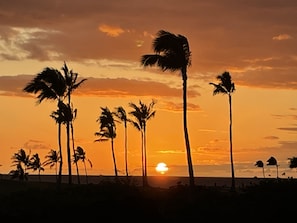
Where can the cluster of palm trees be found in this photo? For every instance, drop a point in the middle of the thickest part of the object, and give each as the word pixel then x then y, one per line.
pixel 171 52
pixel 272 161
pixel 140 114
pixel 23 162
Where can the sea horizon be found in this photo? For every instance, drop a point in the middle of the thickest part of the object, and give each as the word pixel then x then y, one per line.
pixel 162 181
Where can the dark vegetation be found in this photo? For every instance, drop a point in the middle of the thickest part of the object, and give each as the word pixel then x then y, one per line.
pixel 268 201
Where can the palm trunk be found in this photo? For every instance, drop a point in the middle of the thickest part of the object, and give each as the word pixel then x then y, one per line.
pixel 144 155
pixel 188 149
pixel 114 159
pixel 59 181
pixel 68 153
pixel 231 149
pixel 126 151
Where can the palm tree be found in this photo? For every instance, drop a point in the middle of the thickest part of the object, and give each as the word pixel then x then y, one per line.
pixel 120 113
pixel 226 86
pixel 107 130
pixel 80 154
pixel 52 159
pixel 293 162
pixel 21 160
pixel 273 162
pixel 35 164
pixel 172 52
pixel 260 164
pixel 51 84
pixel 142 114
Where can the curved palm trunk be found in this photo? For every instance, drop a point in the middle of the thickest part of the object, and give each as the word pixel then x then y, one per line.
pixel 263 172
pixel 114 159
pixel 188 149
pixel 86 172
pixel 231 149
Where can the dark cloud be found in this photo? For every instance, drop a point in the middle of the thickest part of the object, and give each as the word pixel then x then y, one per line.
pixel 100 87
pixel 255 40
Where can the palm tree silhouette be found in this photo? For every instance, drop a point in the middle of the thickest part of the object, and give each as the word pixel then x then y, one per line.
pixel 142 114
pixel 226 86
pixel 107 130
pixel 51 84
pixel 260 164
pixel 172 52
pixel 35 164
pixel 293 162
pixel 52 159
pixel 273 162
pixel 21 160
pixel 120 113
pixel 80 154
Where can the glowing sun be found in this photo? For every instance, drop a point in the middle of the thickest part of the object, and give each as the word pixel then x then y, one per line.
pixel 161 168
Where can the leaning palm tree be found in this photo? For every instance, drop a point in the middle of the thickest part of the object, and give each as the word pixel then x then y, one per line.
pixel 142 114
pixel 172 52
pixel 120 113
pixel 226 86
pixel 107 130
pixel 273 162
pixel 260 164
pixel 52 159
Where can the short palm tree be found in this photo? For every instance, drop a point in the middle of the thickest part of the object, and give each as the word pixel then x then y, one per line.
pixel 21 160
pixel 35 164
pixel 226 86
pixel 273 162
pixel 120 113
pixel 142 114
pixel 52 159
pixel 293 162
pixel 107 130
pixel 80 154
pixel 260 164
pixel 172 52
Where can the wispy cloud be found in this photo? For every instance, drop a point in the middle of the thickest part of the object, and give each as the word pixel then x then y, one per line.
pixel 112 31
pixel 282 37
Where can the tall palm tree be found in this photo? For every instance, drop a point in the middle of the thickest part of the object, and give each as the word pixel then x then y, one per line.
pixel 226 86
pixel 35 164
pixel 52 159
pixel 260 164
pixel 80 154
pixel 142 114
pixel 120 113
pixel 172 52
pixel 51 84
pixel 107 130
pixel 273 162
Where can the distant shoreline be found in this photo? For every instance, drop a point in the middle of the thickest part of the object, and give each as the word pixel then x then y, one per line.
pixel 154 181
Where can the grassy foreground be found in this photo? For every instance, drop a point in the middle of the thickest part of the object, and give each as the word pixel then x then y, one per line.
pixel 270 200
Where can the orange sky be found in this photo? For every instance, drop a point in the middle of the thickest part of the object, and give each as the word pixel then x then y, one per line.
pixel 103 41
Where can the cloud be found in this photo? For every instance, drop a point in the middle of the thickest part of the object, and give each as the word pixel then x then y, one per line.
pixel 282 37
pixel 111 30
pixel 271 137
pixel 102 87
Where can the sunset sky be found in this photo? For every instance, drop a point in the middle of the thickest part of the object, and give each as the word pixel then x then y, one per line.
pixel 103 41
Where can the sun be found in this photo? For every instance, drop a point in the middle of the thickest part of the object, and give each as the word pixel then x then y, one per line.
pixel 162 168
